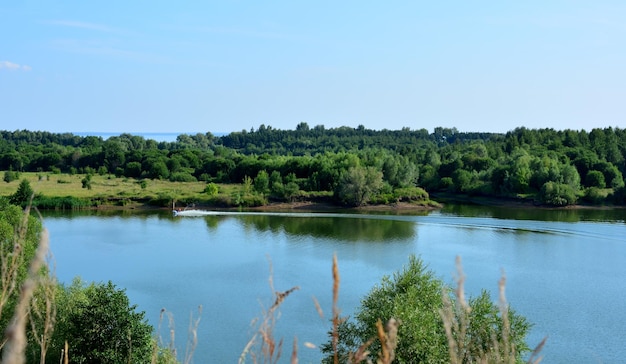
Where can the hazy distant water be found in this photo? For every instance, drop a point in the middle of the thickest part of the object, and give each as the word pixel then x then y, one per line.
pixel 159 137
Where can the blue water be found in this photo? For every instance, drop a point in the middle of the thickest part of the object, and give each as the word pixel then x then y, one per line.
pixel 565 275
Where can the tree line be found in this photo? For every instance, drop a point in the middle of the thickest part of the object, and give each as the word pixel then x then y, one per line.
pixel 357 165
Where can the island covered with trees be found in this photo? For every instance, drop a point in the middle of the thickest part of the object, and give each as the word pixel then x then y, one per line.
pixel 344 165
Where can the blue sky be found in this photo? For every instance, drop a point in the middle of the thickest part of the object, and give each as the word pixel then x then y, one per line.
pixel 221 66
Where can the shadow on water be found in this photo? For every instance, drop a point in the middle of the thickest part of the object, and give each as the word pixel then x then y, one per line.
pixel 537 213
pixel 348 229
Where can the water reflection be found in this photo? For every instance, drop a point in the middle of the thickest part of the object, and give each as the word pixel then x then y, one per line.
pixel 539 213
pixel 344 228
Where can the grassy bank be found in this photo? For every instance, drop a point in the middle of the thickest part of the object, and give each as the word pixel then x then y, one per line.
pixel 68 191
pixel 108 190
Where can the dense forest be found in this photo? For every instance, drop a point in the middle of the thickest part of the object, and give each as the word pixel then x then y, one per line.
pixel 358 165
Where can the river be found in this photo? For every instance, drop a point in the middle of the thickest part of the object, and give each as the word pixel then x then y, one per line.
pixel 565 269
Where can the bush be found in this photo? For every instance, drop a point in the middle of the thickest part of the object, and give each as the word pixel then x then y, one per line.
pixel 619 196
pixel 595 195
pixel 557 194
pixel 23 194
pixel 446 183
pixel 86 181
pixel 61 203
pixel 101 326
pixel 595 179
pixel 211 189
pixel 411 194
pixel 416 299
pixel 10 176
pixel 182 177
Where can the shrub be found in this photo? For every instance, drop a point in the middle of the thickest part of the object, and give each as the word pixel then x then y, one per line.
pixel 411 194
pixel 446 183
pixel 101 326
pixel 182 177
pixel 10 176
pixel 416 299
pixel 595 179
pixel 557 194
pixel 86 182
pixel 211 189
pixel 60 203
pixel 23 194
pixel 595 195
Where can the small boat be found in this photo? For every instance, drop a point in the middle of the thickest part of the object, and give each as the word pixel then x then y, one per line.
pixel 193 212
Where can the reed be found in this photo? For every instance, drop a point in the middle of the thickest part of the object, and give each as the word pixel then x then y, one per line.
pixel 15 334
pixel 457 319
pixel 263 346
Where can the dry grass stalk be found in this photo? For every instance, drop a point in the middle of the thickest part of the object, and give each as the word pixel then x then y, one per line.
pixel 271 350
pixel 318 308
pixel 171 345
pixel 16 332
pixel 508 349
pixel 192 339
pixel 44 316
pixel 388 337
pixel 336 319
pixel 10 266
pixel 456 320
pixel 388 340
pixel 534 356
pixel 294 351
pixel 361 354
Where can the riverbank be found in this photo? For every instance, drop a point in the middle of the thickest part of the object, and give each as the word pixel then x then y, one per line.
pixel 63 192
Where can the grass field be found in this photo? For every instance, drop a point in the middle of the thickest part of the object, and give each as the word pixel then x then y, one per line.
pixel 107 187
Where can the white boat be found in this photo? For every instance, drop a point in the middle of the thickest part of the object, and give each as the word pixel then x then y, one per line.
pixel 193 212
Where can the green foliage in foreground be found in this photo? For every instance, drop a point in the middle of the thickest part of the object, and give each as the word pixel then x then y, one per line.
pixel 100 325
pixel 97 320
pixel 415 298
pixel 14 258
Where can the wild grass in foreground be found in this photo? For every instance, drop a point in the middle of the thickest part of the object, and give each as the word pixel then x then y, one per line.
pixel 47 322
pixel 477 331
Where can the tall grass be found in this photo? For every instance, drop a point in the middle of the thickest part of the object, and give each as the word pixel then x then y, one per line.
pixel 457 319
pixel 15 341
pixel 263 346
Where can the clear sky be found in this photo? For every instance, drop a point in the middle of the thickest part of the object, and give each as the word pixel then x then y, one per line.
pixel 221 66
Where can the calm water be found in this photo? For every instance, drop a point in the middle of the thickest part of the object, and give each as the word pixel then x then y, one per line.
pixel 565 269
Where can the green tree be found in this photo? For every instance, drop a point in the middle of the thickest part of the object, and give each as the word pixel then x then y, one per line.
pixel 595 179
pixel 86 181
pixel 23 194
pixel 276 184
pixel 557 194
pixel 101 326
pixel 358 184
pixel 211 189
pixel 262 182
pixel 462 180
pixel 415 298
pixel 10 176
pixel 520 173
pixel 133 169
